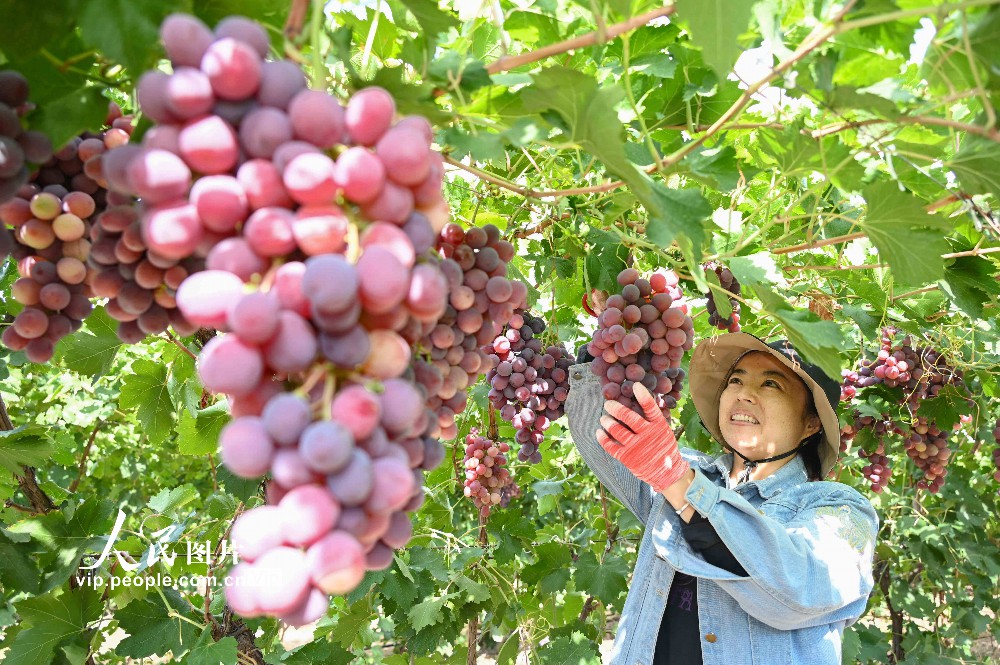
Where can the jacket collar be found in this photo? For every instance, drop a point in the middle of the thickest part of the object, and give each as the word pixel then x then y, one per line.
pixel 791 474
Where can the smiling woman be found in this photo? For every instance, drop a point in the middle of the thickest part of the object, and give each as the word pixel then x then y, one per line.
pixel 748 557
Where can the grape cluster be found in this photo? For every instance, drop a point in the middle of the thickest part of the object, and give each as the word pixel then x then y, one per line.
pixel 50 245
pixel 481 300
pixel 140 285
pixel 77 166
pixel 19 148
pixel 529 382
pixel 641 337
pixel 921 372
pixel 325 272
pixel 487 483
pixel 728 282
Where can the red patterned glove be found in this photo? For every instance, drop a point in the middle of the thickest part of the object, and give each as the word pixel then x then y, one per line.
pixel 646 446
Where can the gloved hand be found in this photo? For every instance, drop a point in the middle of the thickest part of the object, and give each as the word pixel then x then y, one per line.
pixel 645 445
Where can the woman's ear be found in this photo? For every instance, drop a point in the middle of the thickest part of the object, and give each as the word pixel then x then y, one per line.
pixel 813 425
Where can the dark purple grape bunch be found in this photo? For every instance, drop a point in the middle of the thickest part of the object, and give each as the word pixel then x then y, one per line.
pixel 487 482
pixel 50 244
pixel 728 282
pixel 642 336
pixel 529 381
pixel 21 150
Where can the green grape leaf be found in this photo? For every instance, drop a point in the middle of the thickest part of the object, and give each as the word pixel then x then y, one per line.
pixel 27 445
pixel 715 26
pixel 977 165
pixel 209 652
pixel 606 580
pixel 50 620
pixel 151 631
pixel 820 342
pixel 909 239
pixel 429 612
pixel 145 390
pixel 565 650
pixel 199 435
pixel 92 350
pixel 128 38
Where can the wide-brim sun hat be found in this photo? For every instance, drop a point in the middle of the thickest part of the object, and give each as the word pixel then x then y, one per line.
pixel 712 361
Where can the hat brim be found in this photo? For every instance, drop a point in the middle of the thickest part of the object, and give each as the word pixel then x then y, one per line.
pixel 711 363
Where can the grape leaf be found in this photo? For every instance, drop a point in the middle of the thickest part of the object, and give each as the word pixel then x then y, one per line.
pixel 145 390
pixel 126 39
pixel 27 445
pixel 977 165
pixel 549 557
pixel 755 269
pixel 819 342
pixel 606 580
pixel 969 282
pixel 715 26
pixel 476 592
pixel 49 620
pixel 587 113
pixel 944 409
pixel 199 435
pixel 92 350
pixel 17 569
pixel 575 650
pixel 604 260
pixel 169 500
pixel 209 652
pixel 909 239
pixel 151 631
pixel 429 612
pixel 319 652
pixel 63 118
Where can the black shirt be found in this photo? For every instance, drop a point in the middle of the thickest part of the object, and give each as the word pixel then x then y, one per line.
pixel 679 639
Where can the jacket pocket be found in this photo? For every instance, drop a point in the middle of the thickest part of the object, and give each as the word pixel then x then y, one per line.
pixel 770 645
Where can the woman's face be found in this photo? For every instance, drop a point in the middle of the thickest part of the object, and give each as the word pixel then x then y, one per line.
pixel 762 411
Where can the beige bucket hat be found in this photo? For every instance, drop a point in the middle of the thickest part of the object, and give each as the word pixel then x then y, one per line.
pixel 714 358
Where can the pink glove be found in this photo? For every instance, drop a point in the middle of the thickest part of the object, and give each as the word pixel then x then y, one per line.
pixel 646 446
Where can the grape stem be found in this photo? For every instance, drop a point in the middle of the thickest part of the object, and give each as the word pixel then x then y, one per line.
pixel 178 344
pixel 82 466
pixel 312 379
pixel 328 391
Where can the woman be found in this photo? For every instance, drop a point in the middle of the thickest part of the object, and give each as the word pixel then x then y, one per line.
pixel 750 557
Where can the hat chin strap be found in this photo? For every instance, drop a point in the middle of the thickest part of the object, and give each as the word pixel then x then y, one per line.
pixel 750 465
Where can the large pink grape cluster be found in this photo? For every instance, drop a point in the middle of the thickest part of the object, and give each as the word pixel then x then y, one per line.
pixel 481 300
pixel 50 244
pixel 487 482
pixel 921 372
pixel 20 149
pixel 641 337
pixel 529 383
pixel 319 228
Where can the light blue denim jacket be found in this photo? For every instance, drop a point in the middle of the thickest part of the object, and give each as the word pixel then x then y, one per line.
pixel 806 546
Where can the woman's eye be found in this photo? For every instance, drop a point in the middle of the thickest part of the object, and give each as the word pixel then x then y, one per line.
pixel 773 383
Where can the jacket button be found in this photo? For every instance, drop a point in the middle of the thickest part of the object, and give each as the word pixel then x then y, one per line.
pixel 710 638
pixel 578 375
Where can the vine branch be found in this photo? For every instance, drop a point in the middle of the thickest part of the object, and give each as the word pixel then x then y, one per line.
pixel 508 62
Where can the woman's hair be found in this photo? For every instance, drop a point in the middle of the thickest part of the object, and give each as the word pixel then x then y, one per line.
pixel 810 447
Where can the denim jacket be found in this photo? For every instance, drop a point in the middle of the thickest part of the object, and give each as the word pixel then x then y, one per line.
pixel 806 546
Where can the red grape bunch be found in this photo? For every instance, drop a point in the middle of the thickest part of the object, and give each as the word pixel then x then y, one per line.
pixel 641 337
pixel 481 300
pixel 921 372
pixel 77 166
pixel 529 382
pixel 19 148
pixel 729 282
pixel 487 482
pixel 50 245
